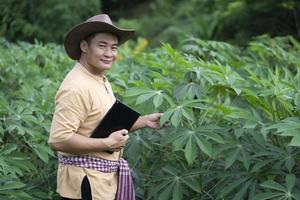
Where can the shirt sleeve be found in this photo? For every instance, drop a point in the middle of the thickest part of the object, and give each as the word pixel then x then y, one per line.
pixel 71 108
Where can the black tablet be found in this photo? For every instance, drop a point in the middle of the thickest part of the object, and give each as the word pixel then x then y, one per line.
pixel 119 116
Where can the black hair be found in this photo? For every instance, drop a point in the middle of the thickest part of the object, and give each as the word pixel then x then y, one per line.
pixel 89 37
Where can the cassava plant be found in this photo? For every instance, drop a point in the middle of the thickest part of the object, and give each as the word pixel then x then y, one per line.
pixel 232 117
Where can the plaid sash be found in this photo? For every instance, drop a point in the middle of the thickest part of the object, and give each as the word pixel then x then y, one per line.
pixel 125 189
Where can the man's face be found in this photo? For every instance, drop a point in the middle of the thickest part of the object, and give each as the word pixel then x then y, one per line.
pixel 101 51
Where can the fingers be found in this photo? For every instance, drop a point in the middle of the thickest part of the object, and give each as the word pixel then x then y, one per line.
pixel 154 125
pixel 123 136
pixel 120 135
pixel 153 120
pixel 123 132
pixel 118 139
pixel 155 116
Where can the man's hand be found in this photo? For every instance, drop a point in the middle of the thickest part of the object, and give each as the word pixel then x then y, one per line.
pixel 117 140
pixel 147 121
pixel 152 120
pixel 79 144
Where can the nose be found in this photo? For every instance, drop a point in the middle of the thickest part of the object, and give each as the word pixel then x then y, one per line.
pixel 108 52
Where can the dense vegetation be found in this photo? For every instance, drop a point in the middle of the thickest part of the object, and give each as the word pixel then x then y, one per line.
pixel 236 21
pixel 169 21
pixel 29 77
pixel 46 20
pixel 233 112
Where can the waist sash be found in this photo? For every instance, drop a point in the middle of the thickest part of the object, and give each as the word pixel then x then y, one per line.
pixel 125 189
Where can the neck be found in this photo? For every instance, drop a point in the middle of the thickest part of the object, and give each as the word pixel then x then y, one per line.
pixel 91 69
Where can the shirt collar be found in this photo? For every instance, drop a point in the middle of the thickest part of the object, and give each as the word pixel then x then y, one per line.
pixel 102 79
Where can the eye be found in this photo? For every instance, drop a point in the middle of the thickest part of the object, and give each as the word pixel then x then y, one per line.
pixel 101 46
pixel 114 48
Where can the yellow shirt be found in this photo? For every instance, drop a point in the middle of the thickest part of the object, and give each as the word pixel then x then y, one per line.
pixel 80 103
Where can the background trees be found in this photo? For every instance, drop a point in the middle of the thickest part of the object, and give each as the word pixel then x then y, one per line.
pixel 46 21
pixel 160 20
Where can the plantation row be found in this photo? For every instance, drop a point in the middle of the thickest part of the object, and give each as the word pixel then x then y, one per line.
pixel 234 116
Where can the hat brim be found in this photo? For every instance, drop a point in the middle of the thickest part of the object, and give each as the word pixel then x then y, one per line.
pixel 81 31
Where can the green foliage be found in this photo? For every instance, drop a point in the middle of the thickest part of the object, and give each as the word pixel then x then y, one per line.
pixel 227 20
pixel 160 20
pixel 29 77
pixel 233 118
pixel 47 20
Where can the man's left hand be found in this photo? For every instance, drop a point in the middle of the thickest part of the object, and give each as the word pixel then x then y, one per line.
pixel 147 121
pixel 152 120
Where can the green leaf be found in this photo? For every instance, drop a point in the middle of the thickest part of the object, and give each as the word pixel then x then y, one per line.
pixel 226 189
pixel 176 117
pixel 260 164
pixel 193 184
pixel 42 151
pixel 169 100
pixel 238 132
pixel 213 136
pixel 204 146
pixel 295 141
pixel 8 148
pixel 259 138
pixel 135 92
pixel 288 124
pixel 157 100
pixel 154 191
pixel 190 150
pixel 267 195
pixel 187 114
pixel 297 99
pixel 144 97
pixel 232 157
pixel 179 142
pixel 245 159
pixel 273 185
pixel 177 191
pixel 296 195
pixel 166 116
pixel 290 181
pixel 289 163
pixel 194 90
pixel 181 90
pixel 241 193
pixel 11 185
pixel 197 105
pixel 165 193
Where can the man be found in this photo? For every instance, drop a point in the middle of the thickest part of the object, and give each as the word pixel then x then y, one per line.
pixel 86 169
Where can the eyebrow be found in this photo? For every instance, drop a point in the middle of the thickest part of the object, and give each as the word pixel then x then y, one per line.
pixel 113 44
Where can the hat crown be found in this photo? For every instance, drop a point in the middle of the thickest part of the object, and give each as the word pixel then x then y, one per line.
pixel 100 18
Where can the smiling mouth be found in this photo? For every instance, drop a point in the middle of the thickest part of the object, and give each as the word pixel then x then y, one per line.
pixel 106 61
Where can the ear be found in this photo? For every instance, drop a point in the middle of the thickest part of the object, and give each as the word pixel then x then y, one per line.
pixel 83 46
